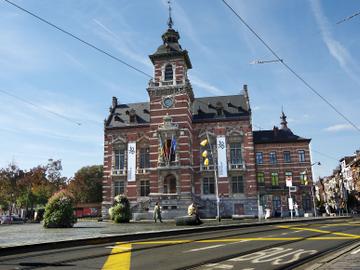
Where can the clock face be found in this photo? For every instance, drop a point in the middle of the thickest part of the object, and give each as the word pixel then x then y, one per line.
pixel 168 102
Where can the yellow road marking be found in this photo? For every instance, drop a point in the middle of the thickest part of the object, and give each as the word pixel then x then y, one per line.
pixel 163 242
pixel 119 258
pixel 320 231
pixel 331 238
pixel 341 224
pixel 249 239
pixel 233 240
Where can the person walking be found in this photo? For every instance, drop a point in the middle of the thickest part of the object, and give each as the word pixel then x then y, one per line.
pixel 157 212
pixel 296 208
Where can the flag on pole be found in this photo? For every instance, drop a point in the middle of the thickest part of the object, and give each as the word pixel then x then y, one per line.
pixel 161 147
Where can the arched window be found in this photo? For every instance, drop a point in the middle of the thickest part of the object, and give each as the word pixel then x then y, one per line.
pixel 168 74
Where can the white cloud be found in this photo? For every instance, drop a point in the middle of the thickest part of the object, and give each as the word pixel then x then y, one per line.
pixel 122 42
pixel 206 86
pixel 336 49
pixel 339 127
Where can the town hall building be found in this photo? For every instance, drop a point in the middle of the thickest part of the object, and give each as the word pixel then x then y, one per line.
pixel 153 151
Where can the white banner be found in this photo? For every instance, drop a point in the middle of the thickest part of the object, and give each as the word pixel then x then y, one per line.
pixel 221 156
pixel 131 164
pixel 288 179
pixel 291 204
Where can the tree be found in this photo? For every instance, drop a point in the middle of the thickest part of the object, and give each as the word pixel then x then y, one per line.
pixel 9 181
pixel 35 189
pixel 86 185
pixel 53 173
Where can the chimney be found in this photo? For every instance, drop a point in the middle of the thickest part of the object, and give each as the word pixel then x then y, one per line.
pixel 275 130
pixel 114 102
pixel 246 95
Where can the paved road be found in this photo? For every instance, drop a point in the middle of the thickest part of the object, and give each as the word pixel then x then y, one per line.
pixel 266 247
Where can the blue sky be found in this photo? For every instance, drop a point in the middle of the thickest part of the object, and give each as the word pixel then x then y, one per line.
pixel 48 68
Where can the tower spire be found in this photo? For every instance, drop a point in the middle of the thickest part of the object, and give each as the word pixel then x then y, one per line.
pixel 283 120
pixel 170 21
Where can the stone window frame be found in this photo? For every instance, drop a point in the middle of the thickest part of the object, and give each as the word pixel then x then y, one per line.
pixel 303 178
pixel 167 82
pixel 240 184
pixel 147 184
pixel 275 180
pixel 119 143
pixel 285 155
pixel 262 182
pixel 211 182
pixel 235 136
pixel 123 186
pixel 115 150
pixel 301 156
pixel 259 154
pixel 272 157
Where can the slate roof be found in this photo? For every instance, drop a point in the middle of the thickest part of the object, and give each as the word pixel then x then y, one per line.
pixel 209 108
pixel 277 136
pixel 119 117
pixel 204 109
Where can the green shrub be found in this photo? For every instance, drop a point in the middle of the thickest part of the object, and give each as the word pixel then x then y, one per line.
pixel 59 211
pixel 120 212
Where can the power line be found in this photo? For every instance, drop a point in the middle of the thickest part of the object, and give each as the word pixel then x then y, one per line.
pixel 290 69
pixel 325 155
pixel 40 107
pixel 348 18
pixel 79 39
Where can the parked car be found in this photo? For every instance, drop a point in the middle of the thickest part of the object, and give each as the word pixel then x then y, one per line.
pixel 11 220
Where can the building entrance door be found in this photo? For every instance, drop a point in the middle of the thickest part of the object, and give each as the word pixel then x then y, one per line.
pixel 170 184
pixel 239 209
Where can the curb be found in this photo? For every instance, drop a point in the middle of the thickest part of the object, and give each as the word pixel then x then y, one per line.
pixel 145 235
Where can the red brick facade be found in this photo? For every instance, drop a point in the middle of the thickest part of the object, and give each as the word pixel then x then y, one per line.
pixel 167 131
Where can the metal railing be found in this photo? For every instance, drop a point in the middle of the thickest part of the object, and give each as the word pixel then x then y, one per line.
pixel 118 172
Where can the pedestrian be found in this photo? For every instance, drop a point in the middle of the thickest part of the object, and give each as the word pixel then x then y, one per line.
pixel 193 211
pixel 157 212
pixel 296 208
pixel 267 212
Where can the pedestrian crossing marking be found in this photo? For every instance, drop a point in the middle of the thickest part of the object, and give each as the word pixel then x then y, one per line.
pixel 119 258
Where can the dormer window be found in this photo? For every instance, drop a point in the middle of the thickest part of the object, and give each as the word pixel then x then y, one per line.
pixel 132 116
pixel 168 73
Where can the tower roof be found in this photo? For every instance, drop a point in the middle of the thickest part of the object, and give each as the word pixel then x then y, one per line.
pixel 170 47
pixel 283 122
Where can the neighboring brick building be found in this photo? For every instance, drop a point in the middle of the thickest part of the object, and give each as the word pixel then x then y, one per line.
pixel 152 149
pixel 281 155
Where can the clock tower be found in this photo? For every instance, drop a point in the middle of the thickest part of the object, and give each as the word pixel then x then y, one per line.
pixel 171 99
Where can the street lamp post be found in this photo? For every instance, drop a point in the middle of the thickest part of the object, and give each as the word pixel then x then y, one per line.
pixel 312 187
pixel 204 143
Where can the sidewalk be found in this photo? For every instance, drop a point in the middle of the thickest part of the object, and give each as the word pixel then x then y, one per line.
pixel 31 234
pixel 348 258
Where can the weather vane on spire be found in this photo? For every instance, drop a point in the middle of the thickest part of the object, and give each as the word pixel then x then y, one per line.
pixel 170 21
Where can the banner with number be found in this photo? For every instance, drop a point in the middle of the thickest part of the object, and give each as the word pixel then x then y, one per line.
pixel 221 156
pixel 131 164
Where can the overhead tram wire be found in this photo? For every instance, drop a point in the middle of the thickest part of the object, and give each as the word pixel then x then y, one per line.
pixel 348 18
pixel 290 69
pixel 325 155
pixel 80 39
pixel 40 107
